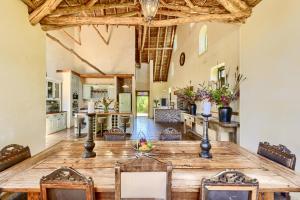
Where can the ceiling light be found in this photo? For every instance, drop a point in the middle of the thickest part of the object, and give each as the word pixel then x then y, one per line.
pixel 149 8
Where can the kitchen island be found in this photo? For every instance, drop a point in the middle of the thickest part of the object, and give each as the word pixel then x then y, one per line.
pixel 112 120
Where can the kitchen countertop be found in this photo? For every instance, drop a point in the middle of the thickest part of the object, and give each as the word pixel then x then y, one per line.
pixel 103 113
pixel 51 113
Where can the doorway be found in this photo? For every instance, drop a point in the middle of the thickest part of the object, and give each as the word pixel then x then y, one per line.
pixel 142 103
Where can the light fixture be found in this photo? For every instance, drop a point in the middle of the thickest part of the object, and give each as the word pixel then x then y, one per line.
pixel 125 86
pixel 149 8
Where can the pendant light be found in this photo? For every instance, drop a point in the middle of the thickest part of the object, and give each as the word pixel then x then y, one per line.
pixel 149 8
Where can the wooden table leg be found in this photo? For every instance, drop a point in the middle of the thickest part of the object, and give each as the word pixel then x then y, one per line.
pixel 184 126
pixel 33 196
pixel 269 196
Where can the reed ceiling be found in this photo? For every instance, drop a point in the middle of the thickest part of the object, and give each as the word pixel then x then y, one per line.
pixel 154 41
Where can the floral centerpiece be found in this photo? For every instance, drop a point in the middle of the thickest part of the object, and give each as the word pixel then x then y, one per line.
pixel 106 102
pixel 222 95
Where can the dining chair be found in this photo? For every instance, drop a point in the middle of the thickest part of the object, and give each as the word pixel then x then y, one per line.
pixel 281 155
pixel 229 185
pixel 152 179
pixel 11 155
pixel 66 183
pixel 170 134
pixel 115 134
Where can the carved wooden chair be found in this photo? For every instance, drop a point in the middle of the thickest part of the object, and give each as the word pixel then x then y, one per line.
pixel 11 155
pixel 152 179
pixel 66 183
pixel 281 155
pixel 115 134
pixel 229 185
pixel 170 134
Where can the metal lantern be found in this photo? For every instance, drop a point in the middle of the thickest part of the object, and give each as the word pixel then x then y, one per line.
pixel 149 8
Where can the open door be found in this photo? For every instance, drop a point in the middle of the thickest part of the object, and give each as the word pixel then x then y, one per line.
pixel 142 103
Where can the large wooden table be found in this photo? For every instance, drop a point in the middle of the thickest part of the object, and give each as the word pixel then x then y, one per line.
pixel 188 170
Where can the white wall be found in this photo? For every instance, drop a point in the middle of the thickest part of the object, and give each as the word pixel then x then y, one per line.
pixel 270 98
pixel 22 79
pixel 223 47
pixel 117 57
pixel 142 77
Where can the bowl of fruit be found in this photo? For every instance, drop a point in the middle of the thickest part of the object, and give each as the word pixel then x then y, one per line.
pixel 143 146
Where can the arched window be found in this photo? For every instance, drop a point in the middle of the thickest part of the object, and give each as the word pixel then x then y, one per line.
pixel 203 40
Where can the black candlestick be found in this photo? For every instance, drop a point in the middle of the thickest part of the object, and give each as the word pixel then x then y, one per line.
pixel 205 144
pixel 89 144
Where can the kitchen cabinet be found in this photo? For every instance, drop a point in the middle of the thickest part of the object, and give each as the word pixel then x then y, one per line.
pixel 56 122
pixel 53 90
pixel 87 91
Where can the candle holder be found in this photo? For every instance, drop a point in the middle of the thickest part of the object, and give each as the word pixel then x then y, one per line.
pixel 205 144
pixel 89 144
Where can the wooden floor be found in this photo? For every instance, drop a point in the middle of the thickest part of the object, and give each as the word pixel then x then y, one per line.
pixel 142 125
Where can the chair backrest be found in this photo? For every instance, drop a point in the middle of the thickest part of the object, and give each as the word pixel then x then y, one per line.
pixel 229 185
pixel 152 179
pixel 13 154
pixel 170 134
pixel 66 183
pixel 279 154
pixel 115 134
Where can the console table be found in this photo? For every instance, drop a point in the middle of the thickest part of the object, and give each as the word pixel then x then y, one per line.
pixel 231 128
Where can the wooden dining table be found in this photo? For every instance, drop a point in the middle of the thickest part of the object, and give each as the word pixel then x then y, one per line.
pixel 188 168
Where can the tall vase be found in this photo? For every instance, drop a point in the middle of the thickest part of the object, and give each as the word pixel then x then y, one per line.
pixel 193 109
pixel 106 109
pixel 225 114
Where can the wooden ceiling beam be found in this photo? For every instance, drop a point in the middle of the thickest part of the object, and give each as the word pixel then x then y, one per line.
pixel 78 21
pixel 85 8
pixel 91 3
pixel 29 4
pixel 235 6
pixel 42 11
pixel 194 9
pixel 189 3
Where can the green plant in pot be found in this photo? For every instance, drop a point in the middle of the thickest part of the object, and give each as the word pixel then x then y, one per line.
pixel 223 95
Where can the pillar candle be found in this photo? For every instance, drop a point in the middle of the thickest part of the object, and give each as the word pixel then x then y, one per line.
pixel 206 108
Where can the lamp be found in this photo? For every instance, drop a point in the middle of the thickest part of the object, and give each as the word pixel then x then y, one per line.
pixel 149 8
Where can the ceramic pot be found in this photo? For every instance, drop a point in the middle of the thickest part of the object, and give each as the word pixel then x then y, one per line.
pixel 225 114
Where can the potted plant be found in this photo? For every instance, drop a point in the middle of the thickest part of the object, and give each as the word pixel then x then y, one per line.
pixel 106 102
pixel 223 95
pixel 190 97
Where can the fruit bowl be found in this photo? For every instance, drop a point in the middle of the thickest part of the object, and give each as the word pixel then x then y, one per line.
pixel 143 146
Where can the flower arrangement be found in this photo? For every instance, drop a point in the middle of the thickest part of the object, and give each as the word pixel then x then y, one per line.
pixel 187 94
pixel 221 95
pixel 106 102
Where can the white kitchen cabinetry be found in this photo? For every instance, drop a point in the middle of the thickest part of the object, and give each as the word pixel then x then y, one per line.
pixel 87 91
pixel 53 90
pixel 56 122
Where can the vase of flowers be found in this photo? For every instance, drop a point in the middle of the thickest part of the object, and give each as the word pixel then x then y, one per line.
pixel 190 97
pixel 223 95
pixel 106 102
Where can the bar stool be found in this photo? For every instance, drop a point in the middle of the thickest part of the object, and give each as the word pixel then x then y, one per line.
pixel 77 125
pixel 124 121
pixel 101 122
